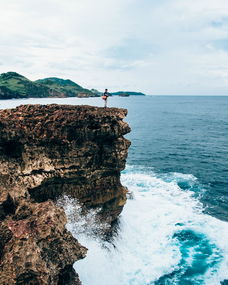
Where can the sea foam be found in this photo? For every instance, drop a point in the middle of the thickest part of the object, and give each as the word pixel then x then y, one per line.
pixel 164 236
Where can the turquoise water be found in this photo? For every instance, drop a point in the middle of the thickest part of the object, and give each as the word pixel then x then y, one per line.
pixel 164 237
pixel 174 230
pixel 187 135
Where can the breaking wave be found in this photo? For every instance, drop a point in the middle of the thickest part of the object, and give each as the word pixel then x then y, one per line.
pixel 164 237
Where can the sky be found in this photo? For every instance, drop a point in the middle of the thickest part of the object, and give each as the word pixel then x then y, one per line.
pixel 159 47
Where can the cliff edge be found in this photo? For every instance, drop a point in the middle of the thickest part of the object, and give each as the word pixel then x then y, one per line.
pixel 47 151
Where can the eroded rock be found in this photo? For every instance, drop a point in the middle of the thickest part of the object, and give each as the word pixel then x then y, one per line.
pixel 47 151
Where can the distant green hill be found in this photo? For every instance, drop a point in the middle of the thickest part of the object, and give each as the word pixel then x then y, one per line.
pixel 14 85
pixel 66 87
pixel 128 93
pixel 6 93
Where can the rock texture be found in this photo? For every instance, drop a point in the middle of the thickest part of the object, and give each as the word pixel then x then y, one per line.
pixel 47 151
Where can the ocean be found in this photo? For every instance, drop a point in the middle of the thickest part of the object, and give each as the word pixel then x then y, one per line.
pixel 173 229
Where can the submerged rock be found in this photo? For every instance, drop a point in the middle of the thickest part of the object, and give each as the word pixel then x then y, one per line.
pixel 47 151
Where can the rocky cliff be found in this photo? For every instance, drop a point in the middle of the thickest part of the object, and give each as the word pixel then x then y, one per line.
pixel 45 152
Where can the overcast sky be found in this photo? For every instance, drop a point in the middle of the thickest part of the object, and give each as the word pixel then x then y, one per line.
pixel 154 46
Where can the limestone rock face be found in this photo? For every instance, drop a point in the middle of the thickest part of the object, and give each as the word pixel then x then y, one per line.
pixel 47 151
pixel 36 248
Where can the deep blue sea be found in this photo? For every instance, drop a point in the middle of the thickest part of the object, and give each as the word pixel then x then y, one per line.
pixel 187 135
pixel 173 230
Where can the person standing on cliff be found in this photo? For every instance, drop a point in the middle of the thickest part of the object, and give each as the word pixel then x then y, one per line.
pixel 105 97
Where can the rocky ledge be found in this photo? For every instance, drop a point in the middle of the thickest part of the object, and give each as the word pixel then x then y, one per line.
pixel 47 151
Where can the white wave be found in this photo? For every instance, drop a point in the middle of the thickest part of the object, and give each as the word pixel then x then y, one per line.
pixel 145 249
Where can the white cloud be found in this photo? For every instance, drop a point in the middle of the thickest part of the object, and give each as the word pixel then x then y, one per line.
pixel 159 47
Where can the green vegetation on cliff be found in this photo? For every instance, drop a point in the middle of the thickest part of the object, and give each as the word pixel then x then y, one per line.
pixel 6 93
pixel 65 86
pixel 14 85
